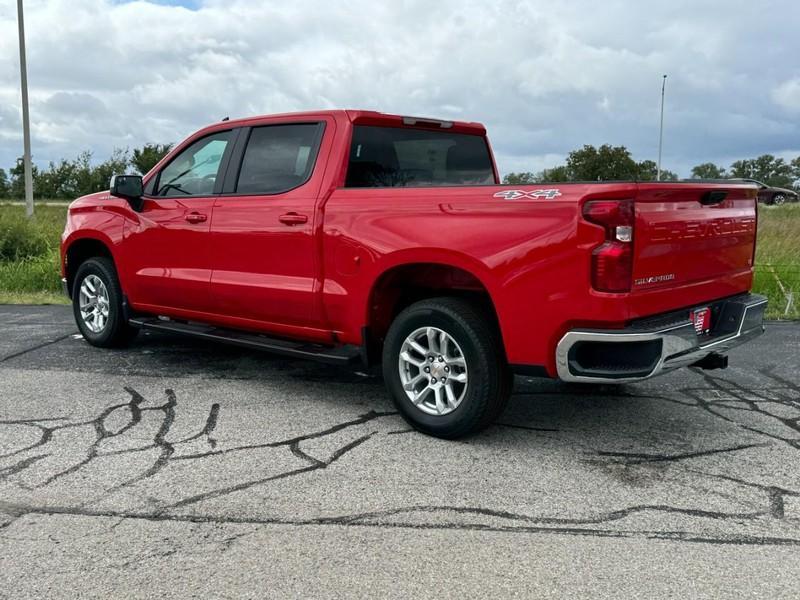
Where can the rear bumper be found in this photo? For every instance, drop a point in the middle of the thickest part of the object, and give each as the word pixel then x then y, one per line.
pixel 657 344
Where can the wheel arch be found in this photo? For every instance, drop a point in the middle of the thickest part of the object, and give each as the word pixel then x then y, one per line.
pixel 80 249
pixel 404 282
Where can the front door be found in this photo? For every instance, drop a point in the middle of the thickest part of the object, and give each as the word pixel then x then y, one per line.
pixel 265 264
pixel 167 243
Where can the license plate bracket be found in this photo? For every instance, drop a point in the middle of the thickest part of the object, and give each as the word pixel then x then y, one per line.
pixel 701 320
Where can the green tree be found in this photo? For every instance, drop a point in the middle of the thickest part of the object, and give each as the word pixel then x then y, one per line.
pixel 795 164
pixel 556 174
pixel 146 157
pixel 57 181
pixel 743 168
pixel 708 171
pixel 69 179
pixel 95 178
pixel 17 179
pixel 605 163
pixel 101 174
pixel 766 168
pixel 518 178
pixel 5 184
pixel 647 170
pixel 82 165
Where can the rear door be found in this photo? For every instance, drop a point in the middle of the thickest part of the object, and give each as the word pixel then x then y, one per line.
pixel 167 242
pixel 265 267
pixel 693 233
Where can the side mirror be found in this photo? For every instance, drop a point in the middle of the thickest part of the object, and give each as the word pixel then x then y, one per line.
pixel 129 187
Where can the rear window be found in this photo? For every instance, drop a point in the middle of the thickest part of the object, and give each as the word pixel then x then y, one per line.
pixel 395 157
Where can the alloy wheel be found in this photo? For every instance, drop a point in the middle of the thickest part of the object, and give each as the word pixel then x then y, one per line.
pixel 94 303
pixel 433 371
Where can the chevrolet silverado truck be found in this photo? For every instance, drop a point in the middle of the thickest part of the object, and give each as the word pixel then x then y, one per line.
pixel 360 237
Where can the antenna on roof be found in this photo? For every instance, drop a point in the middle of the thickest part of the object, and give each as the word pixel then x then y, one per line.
pixel 226 119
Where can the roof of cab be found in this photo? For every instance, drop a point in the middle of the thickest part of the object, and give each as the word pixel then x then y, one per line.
pixel 366 117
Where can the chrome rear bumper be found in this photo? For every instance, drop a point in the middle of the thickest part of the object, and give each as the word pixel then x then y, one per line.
pixel 658 344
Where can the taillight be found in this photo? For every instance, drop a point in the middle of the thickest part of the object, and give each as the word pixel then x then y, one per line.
pixel 612 261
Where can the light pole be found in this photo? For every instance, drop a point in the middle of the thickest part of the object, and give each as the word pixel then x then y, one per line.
pixel 26 123
pixel 661 129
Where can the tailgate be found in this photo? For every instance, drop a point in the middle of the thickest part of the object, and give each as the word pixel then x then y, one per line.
pixel 687 233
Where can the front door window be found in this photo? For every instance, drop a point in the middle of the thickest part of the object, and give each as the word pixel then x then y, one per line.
pixel 194 171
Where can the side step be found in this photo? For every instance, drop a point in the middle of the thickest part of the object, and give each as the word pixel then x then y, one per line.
pixel 337 355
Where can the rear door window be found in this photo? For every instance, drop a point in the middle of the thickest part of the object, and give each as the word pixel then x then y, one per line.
pixel 278 158
pixel 402 157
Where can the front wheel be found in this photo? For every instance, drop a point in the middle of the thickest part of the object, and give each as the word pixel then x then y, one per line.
pixel 444 366
pixel 778 199
pixel 97 305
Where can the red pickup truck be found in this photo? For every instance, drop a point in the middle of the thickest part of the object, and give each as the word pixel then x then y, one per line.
pixel 356 236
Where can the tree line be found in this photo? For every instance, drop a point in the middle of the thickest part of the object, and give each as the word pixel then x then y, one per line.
pixel 70 179
pixel 609 163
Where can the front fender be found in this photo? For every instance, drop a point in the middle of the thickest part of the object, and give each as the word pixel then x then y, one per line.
pixel 102 224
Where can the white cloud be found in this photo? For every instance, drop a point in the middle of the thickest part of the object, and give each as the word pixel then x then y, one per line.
pixel 787 95
pixel 544 77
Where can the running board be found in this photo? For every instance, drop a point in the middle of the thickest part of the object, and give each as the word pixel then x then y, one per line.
pixel 337 355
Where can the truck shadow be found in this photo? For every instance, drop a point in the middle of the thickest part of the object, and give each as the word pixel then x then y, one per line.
pixel 579 414
pixel 678 410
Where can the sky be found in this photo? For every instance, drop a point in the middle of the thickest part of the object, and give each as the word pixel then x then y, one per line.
pixel 544 77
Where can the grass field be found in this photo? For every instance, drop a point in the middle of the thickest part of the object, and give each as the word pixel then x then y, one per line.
pixel 778 260
pixel 29 257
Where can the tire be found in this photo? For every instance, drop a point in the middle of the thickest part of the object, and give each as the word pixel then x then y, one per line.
pixel 112 331
pixel 778 199
pixel 472 339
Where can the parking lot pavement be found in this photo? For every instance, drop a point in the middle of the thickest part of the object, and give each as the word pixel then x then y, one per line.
pixel 177 468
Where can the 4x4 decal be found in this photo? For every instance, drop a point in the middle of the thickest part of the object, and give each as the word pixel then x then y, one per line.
pixel 517 194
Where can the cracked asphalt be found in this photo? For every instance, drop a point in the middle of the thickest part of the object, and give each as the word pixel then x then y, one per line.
pixel 176 468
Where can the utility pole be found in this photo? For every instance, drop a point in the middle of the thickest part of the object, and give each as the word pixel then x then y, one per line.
pixel 26 122
pixel 661 129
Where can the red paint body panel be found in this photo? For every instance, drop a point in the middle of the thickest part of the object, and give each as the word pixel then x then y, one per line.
pixel 98 217
pixel 245 268
pixel 167 258
pixel 267 270
pixel 677 235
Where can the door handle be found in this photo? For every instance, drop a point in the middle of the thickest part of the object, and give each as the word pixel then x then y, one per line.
pixel 293 218
pixel 195 217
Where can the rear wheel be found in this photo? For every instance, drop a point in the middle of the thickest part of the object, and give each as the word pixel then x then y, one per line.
pixel 444 366
pixel 97 305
